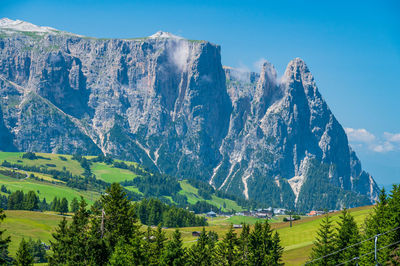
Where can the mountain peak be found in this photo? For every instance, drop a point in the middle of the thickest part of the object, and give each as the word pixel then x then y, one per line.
pixel 296 70
pixel 19 25
pixel 164 34
pixel 297 64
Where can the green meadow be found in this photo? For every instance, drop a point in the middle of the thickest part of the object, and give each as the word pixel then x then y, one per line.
pixel 47 190
pixel 104 172
pixel 296 240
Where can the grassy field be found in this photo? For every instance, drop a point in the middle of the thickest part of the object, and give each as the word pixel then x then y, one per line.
pixel 47 190
pixel 39 175
pixel 192 195
pixel 26 224
pixel 104 172
pixel 110 174
pixel 297 240
pixel 16 157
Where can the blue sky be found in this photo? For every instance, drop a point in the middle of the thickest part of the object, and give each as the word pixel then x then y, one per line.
pixel 352 49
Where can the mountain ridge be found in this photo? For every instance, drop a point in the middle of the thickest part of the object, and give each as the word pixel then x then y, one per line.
pixel 168 103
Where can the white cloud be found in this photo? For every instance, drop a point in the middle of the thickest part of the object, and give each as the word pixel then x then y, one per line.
pixel 392 137
pixel 241 73
pixel 362 138
pixel 359 135
pixel 259 63
pixel 384 147
pixel 179 53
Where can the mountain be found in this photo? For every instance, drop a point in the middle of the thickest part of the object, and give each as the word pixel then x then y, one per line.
pixel 169 104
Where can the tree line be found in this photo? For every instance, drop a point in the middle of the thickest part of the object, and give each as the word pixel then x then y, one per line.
pixel 111 235
pixel 344 243
pixel 18 200
pixel 154 212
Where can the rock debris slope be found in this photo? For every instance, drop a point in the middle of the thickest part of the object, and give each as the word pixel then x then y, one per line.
pixel 168 103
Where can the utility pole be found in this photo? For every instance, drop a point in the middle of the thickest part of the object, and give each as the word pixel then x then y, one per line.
pixel 290 217
pixel 102 222
pixel 376 254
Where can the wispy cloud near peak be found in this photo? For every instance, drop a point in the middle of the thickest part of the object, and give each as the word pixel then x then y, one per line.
pixel 363 138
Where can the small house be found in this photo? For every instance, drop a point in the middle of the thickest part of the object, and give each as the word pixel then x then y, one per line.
pixel 211 214
pixel 237 226
pixel 196 233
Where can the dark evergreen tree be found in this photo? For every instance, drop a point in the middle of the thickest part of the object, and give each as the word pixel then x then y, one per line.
pixel 16 200
pixel 394 211
pixel 277 250
pixel 97 245
pixel 123 255
pixel 244 244
pixel 324 243
pixel 74 205
pixel 77 236
pixel 347 235
pixel 227 251
pixel 60 245
pixel 63 206
pixel 31 201
pixel 23 256
pixel 158 245
pixel 201 253
pixel 55 205
pixel 174 254
pixel 43 206
pixel 37 250
pixel 260 244
pixel 377 223
pixel 4 242
pixel 120 219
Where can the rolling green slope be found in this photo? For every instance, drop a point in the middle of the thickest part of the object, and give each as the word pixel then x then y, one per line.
pixel 27 224
pixel 48 186
pixel 193 196
pixel 47 190
pixel 297 240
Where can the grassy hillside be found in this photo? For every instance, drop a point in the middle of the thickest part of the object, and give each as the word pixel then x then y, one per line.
pixel 26 224
pixel 47 190
pixel 297 240
pixel 49 187
pixel 193 196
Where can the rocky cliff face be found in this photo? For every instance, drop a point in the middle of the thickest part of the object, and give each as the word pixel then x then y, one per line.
pixel 168 103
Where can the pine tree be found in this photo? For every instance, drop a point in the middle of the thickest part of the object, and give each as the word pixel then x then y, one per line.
pixel 37 251
pixel 174 254
pixel 277 250
pixel 378 222
pixel 324 243
pixel 256 254
pixel 77 236
pixel 201 253
pixel 74 205
pixel 244 244
pixel 347 235
pixel 227 251
pixel 23 256
pixel 122 255
pixel 120 221
pixel 99 252
pixel 60 245
pixel 4 258
pixel 158 245
pixel 55 205
pixel 43 206
pixel 260 244
pixel 31 201
pixel 63 206
pixel 394 211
